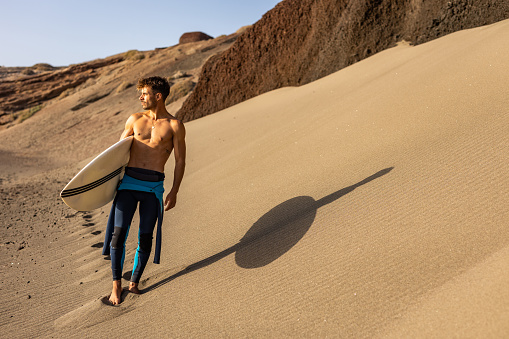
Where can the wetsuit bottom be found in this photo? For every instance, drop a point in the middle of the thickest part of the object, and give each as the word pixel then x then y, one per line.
pixel 126 204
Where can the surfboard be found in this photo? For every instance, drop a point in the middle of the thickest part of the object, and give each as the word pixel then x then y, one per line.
pixel 95 185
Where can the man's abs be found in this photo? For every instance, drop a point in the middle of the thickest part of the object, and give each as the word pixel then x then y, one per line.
pixel 151 157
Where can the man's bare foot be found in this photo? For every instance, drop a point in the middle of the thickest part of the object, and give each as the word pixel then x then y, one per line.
pixel 116 292
pixel 133 287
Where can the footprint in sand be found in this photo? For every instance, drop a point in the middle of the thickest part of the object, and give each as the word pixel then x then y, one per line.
pixel 96 232
pixel 98 245
pixel 88 220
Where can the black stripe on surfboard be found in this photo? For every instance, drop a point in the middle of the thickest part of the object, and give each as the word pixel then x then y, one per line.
pixel 82 189
pixel 88 187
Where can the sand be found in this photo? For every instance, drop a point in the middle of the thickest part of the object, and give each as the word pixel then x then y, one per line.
pixel 370 203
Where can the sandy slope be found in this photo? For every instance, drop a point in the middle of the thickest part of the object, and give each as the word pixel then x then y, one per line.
pixel 370 203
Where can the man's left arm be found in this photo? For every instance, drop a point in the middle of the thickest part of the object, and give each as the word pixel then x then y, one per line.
pixel 179 149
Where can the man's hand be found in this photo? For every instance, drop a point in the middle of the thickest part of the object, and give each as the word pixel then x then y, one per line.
pixel 171 200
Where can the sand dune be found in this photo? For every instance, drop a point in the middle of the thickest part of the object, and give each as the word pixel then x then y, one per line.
pixel 370 203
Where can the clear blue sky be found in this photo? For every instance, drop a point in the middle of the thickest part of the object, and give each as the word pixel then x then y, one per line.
pixel 64 32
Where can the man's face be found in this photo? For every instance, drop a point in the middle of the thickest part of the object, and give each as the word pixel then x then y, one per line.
pixel 148 98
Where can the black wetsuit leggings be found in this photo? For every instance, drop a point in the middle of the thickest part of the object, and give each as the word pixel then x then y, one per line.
pixel 126 203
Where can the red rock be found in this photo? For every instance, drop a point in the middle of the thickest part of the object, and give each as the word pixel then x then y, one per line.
pixel 300 41
pixel 193 37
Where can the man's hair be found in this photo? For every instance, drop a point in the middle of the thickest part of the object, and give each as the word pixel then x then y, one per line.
pixel 156 84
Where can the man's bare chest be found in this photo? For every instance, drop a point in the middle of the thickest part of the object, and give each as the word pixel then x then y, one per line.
pixel 153 131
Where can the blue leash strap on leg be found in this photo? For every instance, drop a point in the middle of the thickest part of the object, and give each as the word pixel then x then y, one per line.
pixel 109 229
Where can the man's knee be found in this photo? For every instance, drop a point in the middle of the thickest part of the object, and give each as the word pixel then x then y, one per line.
pixel 119 236
pixel 145 242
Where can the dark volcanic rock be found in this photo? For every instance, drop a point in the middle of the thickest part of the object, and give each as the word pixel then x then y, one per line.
pixel 300 41
pixel 193 37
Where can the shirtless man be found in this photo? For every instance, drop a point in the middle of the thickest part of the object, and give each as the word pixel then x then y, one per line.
pixel 156 134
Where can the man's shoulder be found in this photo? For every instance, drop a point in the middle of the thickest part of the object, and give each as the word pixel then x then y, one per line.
pixel 176 124
pixel 139 115
pixel 135 116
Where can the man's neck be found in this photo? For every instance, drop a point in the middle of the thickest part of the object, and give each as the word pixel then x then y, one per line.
pixel 158 113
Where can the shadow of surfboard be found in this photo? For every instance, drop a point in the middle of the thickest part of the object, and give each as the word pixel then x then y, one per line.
pixel 274 234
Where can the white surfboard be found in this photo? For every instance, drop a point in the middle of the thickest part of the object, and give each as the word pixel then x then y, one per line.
pixel 95 185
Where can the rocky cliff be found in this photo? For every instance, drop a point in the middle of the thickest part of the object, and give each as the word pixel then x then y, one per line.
pixel 24 91
pixel 39 86
pixel 299 41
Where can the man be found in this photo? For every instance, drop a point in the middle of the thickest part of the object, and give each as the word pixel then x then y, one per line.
pixel 156 134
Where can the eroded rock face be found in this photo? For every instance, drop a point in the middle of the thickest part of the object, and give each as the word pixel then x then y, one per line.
pixel 24 91
pixel 30 90
pixel 193 37
pixel 300 41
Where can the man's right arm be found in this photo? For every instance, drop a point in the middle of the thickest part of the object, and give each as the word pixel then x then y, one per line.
pixel 129 127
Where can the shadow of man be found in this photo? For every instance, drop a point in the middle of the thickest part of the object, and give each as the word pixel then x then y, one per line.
pixel 275 233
